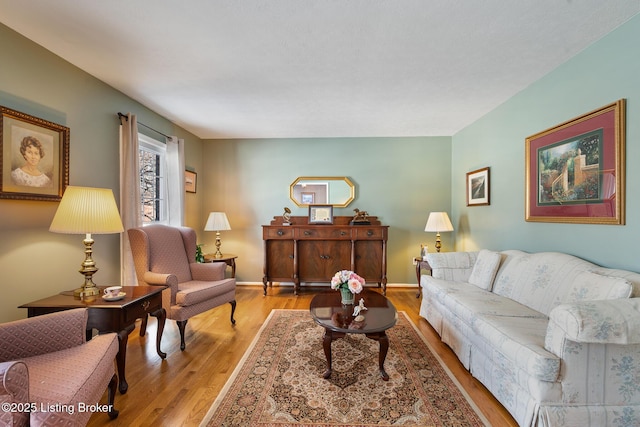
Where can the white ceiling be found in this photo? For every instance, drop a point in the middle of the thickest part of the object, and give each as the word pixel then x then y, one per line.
pixel 317 68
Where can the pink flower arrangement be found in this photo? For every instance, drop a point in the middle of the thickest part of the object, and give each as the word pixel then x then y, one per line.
pixel 346 279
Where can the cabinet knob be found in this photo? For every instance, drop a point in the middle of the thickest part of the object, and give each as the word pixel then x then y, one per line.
pixel 307 233
pixel 145 305
pixel 280 232
pixel 369 233
pixel 291 256
pixel 342 233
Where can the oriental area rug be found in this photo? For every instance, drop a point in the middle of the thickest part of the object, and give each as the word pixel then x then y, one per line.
pixel 279 381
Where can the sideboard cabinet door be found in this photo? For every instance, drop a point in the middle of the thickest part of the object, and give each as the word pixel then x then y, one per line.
pixel 303 252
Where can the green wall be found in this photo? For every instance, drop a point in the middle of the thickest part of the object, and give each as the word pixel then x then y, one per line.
pixel 399 180
pixel 36 263
pixel 603 73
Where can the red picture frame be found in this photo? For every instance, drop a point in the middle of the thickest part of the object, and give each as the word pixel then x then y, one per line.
pixel 575 171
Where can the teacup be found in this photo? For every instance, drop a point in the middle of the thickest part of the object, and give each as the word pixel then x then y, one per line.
pixel 112 291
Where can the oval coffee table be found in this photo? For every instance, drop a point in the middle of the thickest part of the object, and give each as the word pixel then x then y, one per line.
pixel 337 320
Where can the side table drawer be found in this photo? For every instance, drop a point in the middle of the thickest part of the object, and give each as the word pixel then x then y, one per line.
pixel 140 309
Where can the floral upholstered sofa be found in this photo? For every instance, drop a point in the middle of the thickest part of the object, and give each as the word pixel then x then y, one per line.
pixel 555 339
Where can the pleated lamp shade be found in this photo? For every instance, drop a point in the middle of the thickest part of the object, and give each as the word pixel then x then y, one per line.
pixel 85 210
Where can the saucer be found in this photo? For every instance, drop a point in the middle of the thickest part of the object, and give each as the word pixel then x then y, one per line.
pixel 115 298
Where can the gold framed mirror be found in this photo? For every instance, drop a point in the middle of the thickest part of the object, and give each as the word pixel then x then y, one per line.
pixel 337 191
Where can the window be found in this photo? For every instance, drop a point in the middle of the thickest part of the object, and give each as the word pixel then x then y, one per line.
pixel 152 180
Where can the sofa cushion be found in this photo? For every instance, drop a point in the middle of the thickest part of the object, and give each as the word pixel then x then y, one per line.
pixel 485 269
pixel 467 301
pixel 195 291
pixel 521 341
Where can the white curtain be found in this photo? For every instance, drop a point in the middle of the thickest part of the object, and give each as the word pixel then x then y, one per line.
pixel 130 205
pixel 175 181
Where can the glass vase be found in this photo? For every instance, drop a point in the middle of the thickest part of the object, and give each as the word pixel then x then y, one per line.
pixel 347 296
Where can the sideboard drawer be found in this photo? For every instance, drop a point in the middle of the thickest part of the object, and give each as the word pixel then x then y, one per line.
pixel 324 233
pixel 278 233
pixel 369 233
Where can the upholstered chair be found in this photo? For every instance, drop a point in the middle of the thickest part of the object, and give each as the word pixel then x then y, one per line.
pixel 50 375
pixel 166 255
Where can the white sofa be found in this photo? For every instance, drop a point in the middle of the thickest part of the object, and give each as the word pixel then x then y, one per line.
pixel 555 339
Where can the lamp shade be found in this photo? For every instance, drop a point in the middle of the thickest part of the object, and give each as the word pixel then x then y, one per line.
pixel 438 222
pixel 217 221
pixel 85 210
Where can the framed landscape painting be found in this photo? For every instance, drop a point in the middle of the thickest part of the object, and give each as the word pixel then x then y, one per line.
pixel 575 171
pixel 34 157
pixel 478 187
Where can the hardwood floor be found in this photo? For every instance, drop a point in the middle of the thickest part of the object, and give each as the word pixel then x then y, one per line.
pixel 180 389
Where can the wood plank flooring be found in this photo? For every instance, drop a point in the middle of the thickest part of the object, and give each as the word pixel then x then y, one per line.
pixel 179 390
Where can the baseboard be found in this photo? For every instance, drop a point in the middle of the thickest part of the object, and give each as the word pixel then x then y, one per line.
pixel 325 284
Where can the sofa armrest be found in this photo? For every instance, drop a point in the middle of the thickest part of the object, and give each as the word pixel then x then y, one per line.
pixel 455 266
pixel 14 388
pixel 42 334
pixel 615 321
pixel 208 272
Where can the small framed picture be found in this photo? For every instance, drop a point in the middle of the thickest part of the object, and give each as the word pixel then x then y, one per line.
pixel 34 157
pixel 308 198
pixel 478 187
pixel 190 181
pixel 320 214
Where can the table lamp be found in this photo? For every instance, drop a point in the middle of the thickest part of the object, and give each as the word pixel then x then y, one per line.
pixel 86 210
pixel 217 222
pixel 438 222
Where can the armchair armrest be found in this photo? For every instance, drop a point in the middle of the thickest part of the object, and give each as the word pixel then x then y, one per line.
pixel 14 388
pixel 452 265
pixel 208 272
pixel 152 278
pixel 615 321
pixel 42 334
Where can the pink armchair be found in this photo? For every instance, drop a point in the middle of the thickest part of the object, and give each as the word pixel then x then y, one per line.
pixel 166 255
pixel 50 375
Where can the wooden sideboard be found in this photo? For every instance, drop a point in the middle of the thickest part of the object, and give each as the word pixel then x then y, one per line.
pixel 303 252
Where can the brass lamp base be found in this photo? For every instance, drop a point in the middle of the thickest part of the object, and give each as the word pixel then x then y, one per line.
pixel 218 254
pixel 88 269
pixel 438 242
pixel 86 292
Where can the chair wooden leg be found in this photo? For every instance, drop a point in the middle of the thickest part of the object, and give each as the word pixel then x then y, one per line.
pixel 233 310
pixel 113 387
pixel 182 324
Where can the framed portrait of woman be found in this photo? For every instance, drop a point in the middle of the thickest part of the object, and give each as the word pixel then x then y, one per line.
pixel 34 157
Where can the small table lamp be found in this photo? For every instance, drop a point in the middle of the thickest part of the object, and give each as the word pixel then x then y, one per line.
pixel 217 222
pixel 438 222
pixel 85 210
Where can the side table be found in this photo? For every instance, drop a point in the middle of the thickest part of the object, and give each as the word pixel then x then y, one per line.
pixel 229 259
pixel 420 265
pixel 111 316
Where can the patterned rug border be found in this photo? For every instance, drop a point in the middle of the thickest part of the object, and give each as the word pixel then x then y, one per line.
pixel 273 312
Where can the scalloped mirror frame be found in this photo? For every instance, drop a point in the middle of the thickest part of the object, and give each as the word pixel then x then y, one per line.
pixel 342 203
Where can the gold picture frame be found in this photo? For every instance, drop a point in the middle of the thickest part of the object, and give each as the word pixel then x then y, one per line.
pixel 34 157
pixel 575 171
